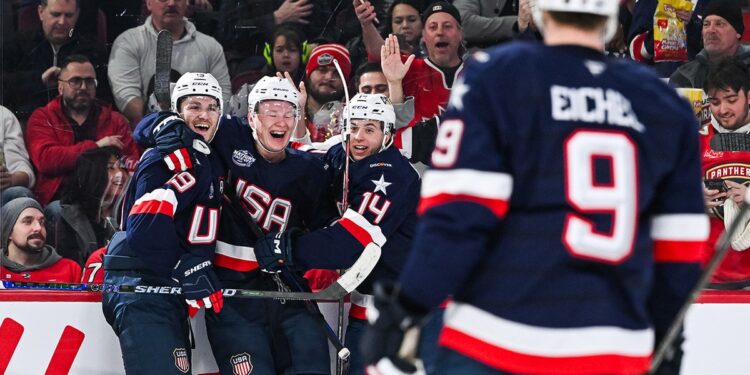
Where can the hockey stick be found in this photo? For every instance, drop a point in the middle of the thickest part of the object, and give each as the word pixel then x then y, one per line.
pixel 341 366
pixel 343 285
pixel 342 353
pixel 163 69
pixel 720 250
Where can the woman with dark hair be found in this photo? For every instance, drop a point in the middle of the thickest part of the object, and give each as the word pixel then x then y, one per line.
pixel 89 202
pixel 404 20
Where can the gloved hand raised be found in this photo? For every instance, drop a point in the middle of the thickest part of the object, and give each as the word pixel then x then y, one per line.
pixel 390 342
pixel 174 140
pixel 199 283
pixel 274 250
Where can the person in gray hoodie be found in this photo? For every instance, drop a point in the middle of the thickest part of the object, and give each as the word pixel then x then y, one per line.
pixel 25 253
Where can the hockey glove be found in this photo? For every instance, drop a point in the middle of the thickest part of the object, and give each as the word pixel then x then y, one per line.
pixel 200 286
pixel 274 251
pixel 174 140
pixel 389 344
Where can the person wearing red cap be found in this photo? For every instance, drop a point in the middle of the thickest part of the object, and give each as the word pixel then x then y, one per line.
pixel 323 82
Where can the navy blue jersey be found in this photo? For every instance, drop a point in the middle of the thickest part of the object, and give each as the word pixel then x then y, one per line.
pixel 169 214
pixel 382 200
pixel 293 193
pixel 564 212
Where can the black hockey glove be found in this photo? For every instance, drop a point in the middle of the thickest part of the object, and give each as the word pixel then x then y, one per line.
pixel 200 286
pixel 274 251
pixel 390 342
pixel 174 140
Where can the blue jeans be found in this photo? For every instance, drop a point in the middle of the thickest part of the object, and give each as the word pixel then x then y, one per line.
pixel 153 329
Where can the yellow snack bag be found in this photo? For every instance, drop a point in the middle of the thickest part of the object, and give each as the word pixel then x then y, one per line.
pixel 670 38
pixel 699 101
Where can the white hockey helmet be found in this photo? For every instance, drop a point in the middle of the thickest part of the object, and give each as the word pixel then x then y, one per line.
pixel 273 88
pixel 607 8
pixel 373 107
pixel 197 84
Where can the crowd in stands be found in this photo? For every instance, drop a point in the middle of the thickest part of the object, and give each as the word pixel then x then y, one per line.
pixel 78 75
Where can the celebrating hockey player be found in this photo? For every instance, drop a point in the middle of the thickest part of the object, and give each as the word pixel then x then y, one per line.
pixel 169 236
pixel 383 194
pixel 563 212
pixel 274 188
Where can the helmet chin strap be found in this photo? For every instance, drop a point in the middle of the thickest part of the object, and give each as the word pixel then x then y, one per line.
pixel 257 139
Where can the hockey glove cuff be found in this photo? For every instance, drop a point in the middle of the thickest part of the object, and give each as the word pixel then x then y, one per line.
pixel 173 139
pixel 390 342
pixel 200 286
pixel 274 251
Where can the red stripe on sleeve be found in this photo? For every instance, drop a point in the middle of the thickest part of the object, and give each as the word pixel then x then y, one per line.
pixel 678 251
pixel 153 207
pixel 508 360
pixel 497 206
pixel 355 230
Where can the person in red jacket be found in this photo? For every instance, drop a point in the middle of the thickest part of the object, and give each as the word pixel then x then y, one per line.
pixel 25 253
pixel 72 123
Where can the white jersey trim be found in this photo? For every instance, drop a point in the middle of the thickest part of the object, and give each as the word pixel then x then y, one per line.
pixel 490 185
pixel 680 227
pixel 547 342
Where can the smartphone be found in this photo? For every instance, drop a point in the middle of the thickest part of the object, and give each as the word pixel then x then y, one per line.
pixel 716 184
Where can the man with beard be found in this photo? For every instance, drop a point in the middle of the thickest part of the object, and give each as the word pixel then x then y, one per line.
pixel 25 254
pixel 72 123
pixel 323 84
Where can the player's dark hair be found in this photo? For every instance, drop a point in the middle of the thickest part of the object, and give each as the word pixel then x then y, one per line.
pixel 75 58
pixel 585 21
pixel 727 73
pixel 368 67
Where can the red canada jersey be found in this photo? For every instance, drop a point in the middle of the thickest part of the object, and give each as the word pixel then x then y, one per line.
pixel 734 166
pixel 63 271
pixel 93 271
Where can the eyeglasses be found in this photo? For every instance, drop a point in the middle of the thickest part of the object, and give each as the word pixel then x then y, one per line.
pixel 76 82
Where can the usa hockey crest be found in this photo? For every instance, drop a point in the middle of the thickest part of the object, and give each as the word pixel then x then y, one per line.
pixel 181 360
pixel 241 364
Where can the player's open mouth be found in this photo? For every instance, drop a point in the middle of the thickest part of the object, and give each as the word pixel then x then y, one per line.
pixel 360 147
pixel 203 126
pixel 278 134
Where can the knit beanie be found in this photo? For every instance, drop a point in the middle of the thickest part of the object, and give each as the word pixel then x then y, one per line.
pixel 728 10
pixel 10 213
pixel 441 6
pixel 324 55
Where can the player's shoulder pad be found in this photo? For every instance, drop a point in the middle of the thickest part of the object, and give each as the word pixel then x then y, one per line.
pixel 307 159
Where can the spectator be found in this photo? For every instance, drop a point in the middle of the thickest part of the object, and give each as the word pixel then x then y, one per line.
pixel 25 255
pixel 728 89
pixel 131 62
pixel 324 85
pixel 488 22
pixel 722 29
pixel 287 53
pixel 72 123
pixel 16 174
pixel 428 80
pixel 403 19
pixel 93 271
pixel 93 193
pixel 248 24
pixel 31 59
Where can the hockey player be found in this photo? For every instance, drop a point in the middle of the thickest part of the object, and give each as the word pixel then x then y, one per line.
pixel 563 213
pixel 168 238
pixel 383 195
pixel 277 188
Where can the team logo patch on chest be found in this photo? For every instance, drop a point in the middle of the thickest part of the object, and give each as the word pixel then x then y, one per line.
pixel 241 364
pixel 732 171
pixel 181 360
pixel 242 158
